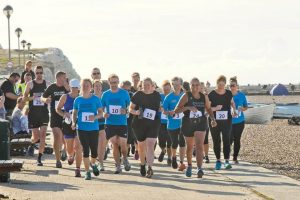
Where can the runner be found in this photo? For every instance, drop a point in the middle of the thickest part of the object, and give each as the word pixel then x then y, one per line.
pixel 52 96
pixel 96 75
pixel 135 80
pixel 22 86
pixel 115 102
pixel 238 122
pixel 193 104
pixel 97 87
pixel 204 90
pixel 27 69
pixel 38 116
pixel 145 106
pixel 164 139
pixel 221 103
pixel 174 123
pixel 65 109
pixel 87 110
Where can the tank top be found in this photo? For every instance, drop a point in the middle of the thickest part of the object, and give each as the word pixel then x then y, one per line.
pixel 37 91
pixel 69 103
pixel 198 103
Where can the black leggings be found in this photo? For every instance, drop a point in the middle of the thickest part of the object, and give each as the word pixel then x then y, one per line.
pixel 223 127
pixel 177 138
pixel 89 141
pixel 206 136
pixel 164 140
pixel 235 137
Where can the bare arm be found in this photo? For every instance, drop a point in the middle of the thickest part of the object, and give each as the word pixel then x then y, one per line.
pixel 11 95
pixel 180 106
pixel 132 109
pixel 209 109
pixel 27 91
pixel 61 104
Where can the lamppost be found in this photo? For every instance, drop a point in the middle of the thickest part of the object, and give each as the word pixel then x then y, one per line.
pixel 28 47
pixel 8 11
pixel 23 45
pixel 18 32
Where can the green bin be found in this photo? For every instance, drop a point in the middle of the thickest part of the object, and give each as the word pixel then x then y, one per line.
pixel 4 147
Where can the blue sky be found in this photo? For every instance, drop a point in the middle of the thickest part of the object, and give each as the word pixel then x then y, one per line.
pixel 257 40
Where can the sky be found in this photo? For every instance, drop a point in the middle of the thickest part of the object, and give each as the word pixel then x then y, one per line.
pixel 256 40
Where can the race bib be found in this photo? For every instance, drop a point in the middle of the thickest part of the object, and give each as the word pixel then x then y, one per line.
pixel 149 114
pixel 115 110
pixel 178 116
pixel 37 101
pixel 163 116
pixel 86 116
pixel 239 113
pixel 194 115
pixel 222 115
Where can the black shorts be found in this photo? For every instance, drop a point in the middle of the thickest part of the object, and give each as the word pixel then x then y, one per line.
pixel 190 126
pixel 37 120
pixel 144 128
pixel 68 132
pixel 101 127
pixel 56 120
pixel 116 130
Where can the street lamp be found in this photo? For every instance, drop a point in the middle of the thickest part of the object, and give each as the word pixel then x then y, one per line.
pixel 28 47
pixel 23 45
pixel 8 11
pixel 18 32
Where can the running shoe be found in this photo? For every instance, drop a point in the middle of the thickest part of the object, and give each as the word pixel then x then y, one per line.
pixel 200 172
pixel 169 162
pixel 161 156
pixel 126 164
pixel 136 155
pixel 63 155
pixel 227 165
pixel 30 150
pixel 118 170
pixel 95 170
pixel 206 159
pixel 88 176
pixel 77 172
pixel 101 167
pixel 188 171
pixel 235 161
pixel 218 165
pixel 58 164
pixel 39 163
pixel 70 160
pixel 174 163
pixel 181 167
pixel 149 172
pixel 143 170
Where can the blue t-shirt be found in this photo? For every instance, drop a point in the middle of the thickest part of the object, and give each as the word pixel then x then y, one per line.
pixel 169 104
pixel 239 100
pixel 162 98
pixel 112 103
pixel 85 108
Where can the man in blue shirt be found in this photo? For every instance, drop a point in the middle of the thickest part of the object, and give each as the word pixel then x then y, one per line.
pixel 115 102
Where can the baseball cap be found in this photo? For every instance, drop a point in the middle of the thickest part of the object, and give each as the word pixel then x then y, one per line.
pixel 74 83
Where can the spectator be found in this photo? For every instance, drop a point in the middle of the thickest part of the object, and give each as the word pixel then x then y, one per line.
pixel 22 86
pixel 28 66
pixel 8 88
pixel 18 127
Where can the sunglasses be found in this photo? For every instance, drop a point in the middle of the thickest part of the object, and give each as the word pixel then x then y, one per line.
pixel 38 72
pixel 232 85
pixel 195 85
pixel 113 82
pixel 96 73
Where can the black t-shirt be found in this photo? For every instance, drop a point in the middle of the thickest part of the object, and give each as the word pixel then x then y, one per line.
pixel 133 90
pixel 55 92
pixel 1 93
pixel 8 87
pixel 147 101
pixel 23 74
pixel 198 103
pixel 224 100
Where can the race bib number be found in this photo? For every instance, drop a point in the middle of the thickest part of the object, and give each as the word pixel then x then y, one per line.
pixel 222 115
pixel 149 114
pixel 163 116
pixel 178 116
pixel 37 101
pixel 194 115
pixel 115 110
pixel 86 116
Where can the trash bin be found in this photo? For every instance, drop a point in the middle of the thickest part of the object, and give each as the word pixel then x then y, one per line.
pixel 4 147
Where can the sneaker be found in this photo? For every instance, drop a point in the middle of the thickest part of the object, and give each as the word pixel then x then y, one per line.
pixel 88 176
pixel 143 170
pixel 227 165
pixel 169 162
pixel 149 172
pixel 58 164
pixel 101 168
pixel 118 170
pixel 77 172
pixel 181 167
pixel 63 155
pixel 235 161
pixel 206 159
pixel 70 160
pixel 30 150
pixel 95 170
pixel 174 163
pixel 136 155
pixel 126 164
pixel 200 173
pixel 218 165
pixel 161 156
pixel 188 171
pixel 39 163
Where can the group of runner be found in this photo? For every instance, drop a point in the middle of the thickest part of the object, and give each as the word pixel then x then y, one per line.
pixel 85 116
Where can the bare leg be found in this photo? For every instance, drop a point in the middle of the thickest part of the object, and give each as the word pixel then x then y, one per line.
pixel 78 151
pixel 142 152
pixel 57 134
pixel 199 143
pixel 150 143
pixel 102 145
pixel 189 149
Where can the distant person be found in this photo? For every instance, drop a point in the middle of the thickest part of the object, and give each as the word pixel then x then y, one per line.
pixel 186 86
pixel 8 88
pixel 135 77
pixel 238 122
pixel 17 125
pixel 2 108
pixel 28 69
pixel 96 75
pixel 22 86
